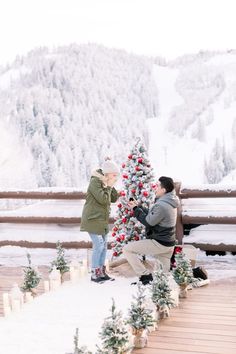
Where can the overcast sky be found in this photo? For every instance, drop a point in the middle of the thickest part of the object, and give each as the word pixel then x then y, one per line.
pixel 151 27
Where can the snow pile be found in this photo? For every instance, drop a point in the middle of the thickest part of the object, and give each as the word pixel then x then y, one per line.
pixel 46 232
pixel 212 234
pixel 48 324
pixel 222 207
pixel 218 267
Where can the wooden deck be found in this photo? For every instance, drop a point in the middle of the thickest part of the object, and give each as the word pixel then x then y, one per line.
pixel 204 323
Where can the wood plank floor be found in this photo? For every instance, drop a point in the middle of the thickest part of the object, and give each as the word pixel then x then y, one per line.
pixel 203 323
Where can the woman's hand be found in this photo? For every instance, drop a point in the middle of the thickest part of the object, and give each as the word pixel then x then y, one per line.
pixel 111 181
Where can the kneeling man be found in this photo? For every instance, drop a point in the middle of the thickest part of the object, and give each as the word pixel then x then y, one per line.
pixel 160 221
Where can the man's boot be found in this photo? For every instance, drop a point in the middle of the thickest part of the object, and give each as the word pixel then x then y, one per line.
pixel 146 279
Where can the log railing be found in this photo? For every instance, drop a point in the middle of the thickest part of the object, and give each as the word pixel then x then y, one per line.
pixel 182 218
pixel 31 194
pixel 215 192
pixel 42 195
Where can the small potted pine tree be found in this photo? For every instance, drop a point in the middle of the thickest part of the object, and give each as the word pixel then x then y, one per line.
pixel 77 350
pixel 161 293
pixel 140 318
pixel 114 334
pixel 31 278
pixel 183 273
pixel 60 262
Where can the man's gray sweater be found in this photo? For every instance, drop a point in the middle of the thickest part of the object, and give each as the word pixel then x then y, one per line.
pixel 160 219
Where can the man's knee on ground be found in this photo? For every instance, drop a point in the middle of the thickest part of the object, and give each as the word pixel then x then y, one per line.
pixel 128 248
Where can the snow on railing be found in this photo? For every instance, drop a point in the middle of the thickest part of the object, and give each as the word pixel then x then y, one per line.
pixel 200 216
pixel 46 193
pixel 208 191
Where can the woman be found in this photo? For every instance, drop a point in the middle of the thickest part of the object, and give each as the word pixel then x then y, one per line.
pixel 95 217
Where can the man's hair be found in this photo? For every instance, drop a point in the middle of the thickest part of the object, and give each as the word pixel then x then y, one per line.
pixel 167 183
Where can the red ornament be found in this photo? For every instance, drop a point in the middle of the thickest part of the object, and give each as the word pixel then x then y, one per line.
pixel 154 186
pixel 133 191
pixel 140 160
pixel 119 205
pixel 130 157
pixel 118 239
pixel 122 237
pixel 136 238
pixel 137 168
pixel 140 184
pixel 123 165
pixel 115 228
pixel 145 193
pixel 113 234
pixel 131 213
pixel 126 211
pixel 124 220
pixel 178 249
pixel 115 254
pixel 125 176
pixel 122 193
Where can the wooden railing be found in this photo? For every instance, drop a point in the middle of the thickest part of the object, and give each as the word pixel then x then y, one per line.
pixel 42 195
pixel 187 193
pixel 182 218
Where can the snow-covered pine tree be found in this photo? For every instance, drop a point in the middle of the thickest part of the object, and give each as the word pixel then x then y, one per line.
pixel 214 167
pixel 77 350
pixel 31 277
pixel 139 317
pixel 138 183
pixel 160 290
pixel 114 334
pixel 60 262
pixel 182 273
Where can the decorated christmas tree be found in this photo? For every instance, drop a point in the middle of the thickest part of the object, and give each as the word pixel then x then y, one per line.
pixel 31 277
pixel 138 183
pixel 115 339
pixel 60 262
pixel 139 317
pixel 160 290
pixel 182 273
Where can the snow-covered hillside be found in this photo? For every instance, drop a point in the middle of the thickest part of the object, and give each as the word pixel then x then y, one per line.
pixel 194 139
pixel 62 112
pixel 16 162
pixel 71 108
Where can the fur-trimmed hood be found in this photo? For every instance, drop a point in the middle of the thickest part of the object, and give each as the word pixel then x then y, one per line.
pixel 99 174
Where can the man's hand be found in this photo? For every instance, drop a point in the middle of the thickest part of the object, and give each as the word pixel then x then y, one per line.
pixel 132 204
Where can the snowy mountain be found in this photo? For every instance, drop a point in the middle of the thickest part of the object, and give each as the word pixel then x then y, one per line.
pixel 194 138
pixel 62 112
pixel 69 109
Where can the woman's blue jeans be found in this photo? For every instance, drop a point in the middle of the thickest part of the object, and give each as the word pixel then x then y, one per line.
pixel 99 249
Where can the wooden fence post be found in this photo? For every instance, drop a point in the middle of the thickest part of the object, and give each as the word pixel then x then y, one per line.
pixel 179 224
